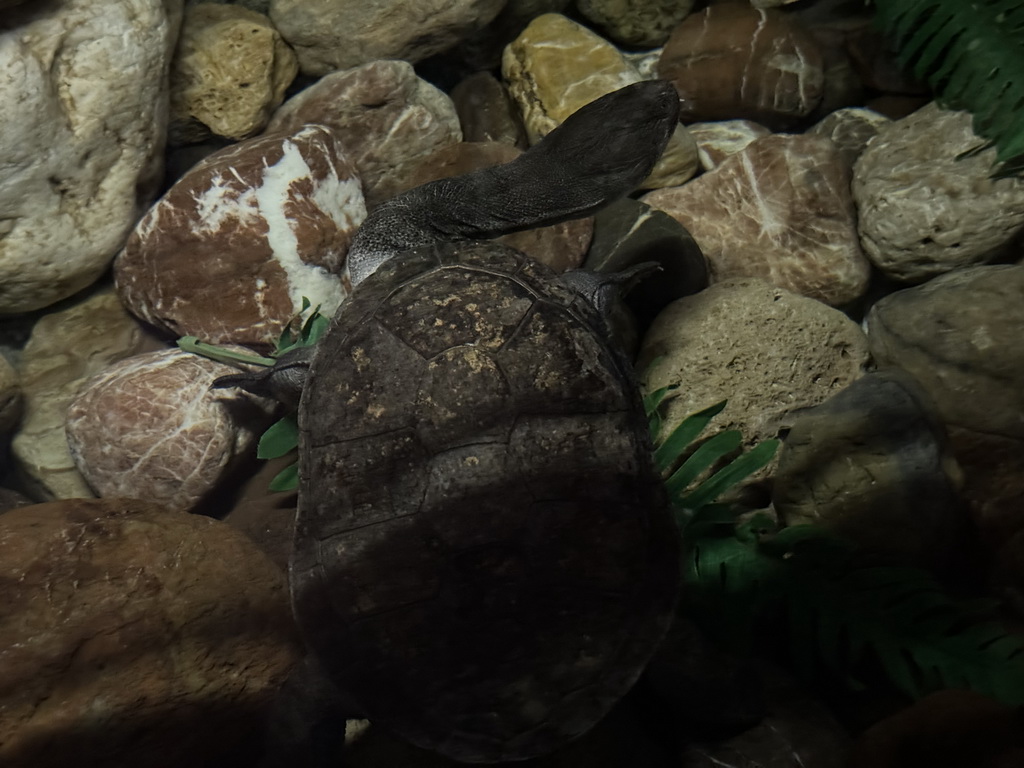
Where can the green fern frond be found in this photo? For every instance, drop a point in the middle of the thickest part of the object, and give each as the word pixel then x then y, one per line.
pixel 971 53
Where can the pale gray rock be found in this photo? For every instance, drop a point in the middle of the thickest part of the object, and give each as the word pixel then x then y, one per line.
pixel 150 427
pixel 851 129
pixel 767 351
pixel 716 141
pixel 231 250
pixel 345 33
pixel 230 71
pixel 639 23
pixel 10 397
pixel 81 137
pixel 780 210
pixel 384 116
pixel 65 348
pixel 136 635
pixel 872 464
pixel 923 208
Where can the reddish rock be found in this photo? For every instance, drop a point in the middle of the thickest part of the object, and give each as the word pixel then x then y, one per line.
pixel 780 210
pixel 384 116
pixel 233 247
pixel 132 634
pixel 150 427
pixel 732 61
pixel 560 246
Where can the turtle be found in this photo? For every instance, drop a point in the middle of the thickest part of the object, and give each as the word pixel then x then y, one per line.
pixel 484 559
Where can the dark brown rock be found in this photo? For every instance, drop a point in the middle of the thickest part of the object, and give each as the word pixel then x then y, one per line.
pixel 780 210
pixel 384 116
pixel 133 634
pixel 230 251
pixel 732 61
pixel 485 111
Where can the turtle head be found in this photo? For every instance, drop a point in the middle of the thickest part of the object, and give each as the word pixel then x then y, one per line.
pixel 283 381
pixel 601 288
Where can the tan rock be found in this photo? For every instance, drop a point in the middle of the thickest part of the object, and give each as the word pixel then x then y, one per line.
pixel 641 23
pixel 924 208
pixel 716 141
pixel 150 427
pixel 229 74
pixel 767 351
pixel 732 61
pixel 384 116
pixel 137 633
pixel 346 33
pixel 65 349
pixel 81 135
pixel 264 223
pixel 850 129
pixel 10 397
pixel 556 66
pixel 780 210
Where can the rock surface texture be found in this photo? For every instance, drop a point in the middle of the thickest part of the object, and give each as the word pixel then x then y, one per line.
pixel 84 85
pixel 345 33
pixel 10 397
pixel 556 66
pixel 780 210
pixel 923 210
pixel 732 61
pixel 639 23
pixel 384 116
pixel 230 72
pixel 231 250
pixel 134 634
pixel 716 141
pixel 150 427
pixel 66 348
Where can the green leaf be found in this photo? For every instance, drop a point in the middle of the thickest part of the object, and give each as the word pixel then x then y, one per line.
pixel 739 469
pixel 221 355
pixel 710 451
pixel 287 479
pixel 281 438
pixel 666 454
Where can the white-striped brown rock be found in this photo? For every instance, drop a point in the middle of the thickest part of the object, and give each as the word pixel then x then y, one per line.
pixel 150 427
pixel 780 210
pixel 231 250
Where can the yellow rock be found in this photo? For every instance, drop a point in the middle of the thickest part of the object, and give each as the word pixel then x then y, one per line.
pixel 556 66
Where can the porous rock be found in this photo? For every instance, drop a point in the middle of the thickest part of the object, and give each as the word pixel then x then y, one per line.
pixel 346 33
pixel 150 427
pixel 134 634
pixel 81 137
pixel 780 210
pixel 10 397
pixel 767 351
pixel 716 141
pixel 557 66
pixel 65 348
pixel 560 246
pixel 230 72
pixel 923 207
pixel 872 464
pixel 384 116
pixel 229 252
pixel 640 23
pixel 732 61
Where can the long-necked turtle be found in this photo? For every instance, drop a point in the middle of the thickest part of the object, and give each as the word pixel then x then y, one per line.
pixel 483 558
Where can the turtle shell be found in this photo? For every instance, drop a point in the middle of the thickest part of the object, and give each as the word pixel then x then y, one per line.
pixel 484 559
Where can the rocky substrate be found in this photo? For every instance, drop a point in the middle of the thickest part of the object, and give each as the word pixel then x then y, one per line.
pixel 838 263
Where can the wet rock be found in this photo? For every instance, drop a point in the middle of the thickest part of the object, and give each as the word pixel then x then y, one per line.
pixel 767 351
pixel 780 210
pixel 732 61
pixel 485 111
pixel 872 464
pixel 560 246
pixel 150 427
pixel 65 349
pixel 10 397
pixel 346 33
pixel 716 141
pixel 264 223
pixel 556 66
pixel 78 165
pixel 850 129
pixel 134 634
pixel 384 116
pixel 923 209
pixel 230 72
pixel 638 23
